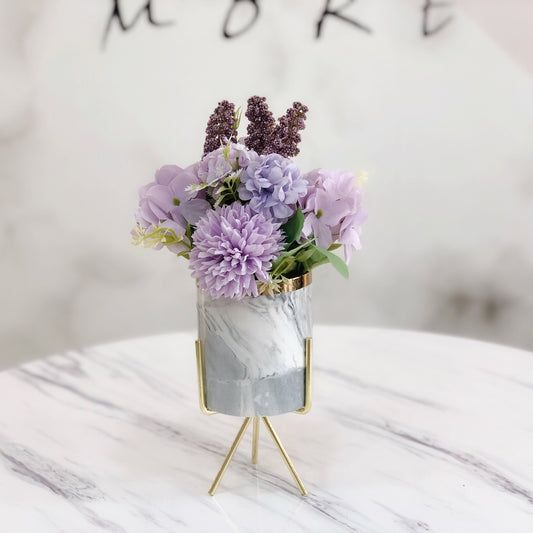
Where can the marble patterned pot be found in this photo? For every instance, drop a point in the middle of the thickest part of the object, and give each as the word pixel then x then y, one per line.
pixel 253 350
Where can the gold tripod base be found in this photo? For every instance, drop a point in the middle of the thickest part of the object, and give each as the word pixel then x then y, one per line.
pixel 255 448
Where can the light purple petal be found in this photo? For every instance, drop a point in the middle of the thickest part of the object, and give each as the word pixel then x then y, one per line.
pixel 194 210
pixel 233 248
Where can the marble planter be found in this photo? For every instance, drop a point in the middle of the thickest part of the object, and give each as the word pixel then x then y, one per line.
pixel 253 350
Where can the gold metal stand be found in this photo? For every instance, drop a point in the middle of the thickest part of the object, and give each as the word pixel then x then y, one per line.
pixel 255 440
pixel 256 420
pixel 229 457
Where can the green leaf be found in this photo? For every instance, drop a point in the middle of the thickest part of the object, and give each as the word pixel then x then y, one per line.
pixel 315 260
pixel 304 255
pixel 189 230
pixel 237 118
pixel 293 227
pixel 334 246
pixel 336 261
pixel 282 266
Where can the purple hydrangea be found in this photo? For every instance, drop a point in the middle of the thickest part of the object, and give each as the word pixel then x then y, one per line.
pixel 274 185
pixel 333 210
pixel 233 249
pixel 167 202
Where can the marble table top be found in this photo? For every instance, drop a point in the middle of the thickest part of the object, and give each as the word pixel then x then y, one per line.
pixel 408 432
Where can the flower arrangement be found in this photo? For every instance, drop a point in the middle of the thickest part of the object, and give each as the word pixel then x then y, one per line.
pixel 245 215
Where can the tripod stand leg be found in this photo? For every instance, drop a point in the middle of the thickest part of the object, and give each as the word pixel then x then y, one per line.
pixel 286 458
pixel 255 440
pixel 229 457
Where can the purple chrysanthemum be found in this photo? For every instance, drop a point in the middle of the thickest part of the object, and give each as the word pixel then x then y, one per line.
pixel 233 249
pixel 274 185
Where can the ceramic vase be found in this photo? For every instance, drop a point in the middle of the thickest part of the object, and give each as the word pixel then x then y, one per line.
pixel 254 350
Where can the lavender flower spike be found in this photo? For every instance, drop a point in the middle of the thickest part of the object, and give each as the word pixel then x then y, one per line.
pixel 287 136
pixel 221 127
pixel 261 126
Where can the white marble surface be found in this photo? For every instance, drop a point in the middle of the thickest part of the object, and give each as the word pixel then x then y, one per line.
pixel 409 432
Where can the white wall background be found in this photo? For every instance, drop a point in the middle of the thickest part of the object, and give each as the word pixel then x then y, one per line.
pixel 443 124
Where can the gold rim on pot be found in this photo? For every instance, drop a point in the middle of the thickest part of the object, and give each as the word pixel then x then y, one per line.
pixel 289 284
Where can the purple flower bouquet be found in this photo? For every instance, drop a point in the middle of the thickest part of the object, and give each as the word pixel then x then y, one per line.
pixel 253 226
pixel 245 215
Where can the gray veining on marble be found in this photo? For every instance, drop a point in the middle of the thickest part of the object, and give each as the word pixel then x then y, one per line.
pixel 408 432
pixel 254 352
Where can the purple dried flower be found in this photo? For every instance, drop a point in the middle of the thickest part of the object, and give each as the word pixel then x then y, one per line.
pixel 221 126
pixel 287 136
pixel 261 126
pixel 233 249
pixel 274 185
pixel 267 137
